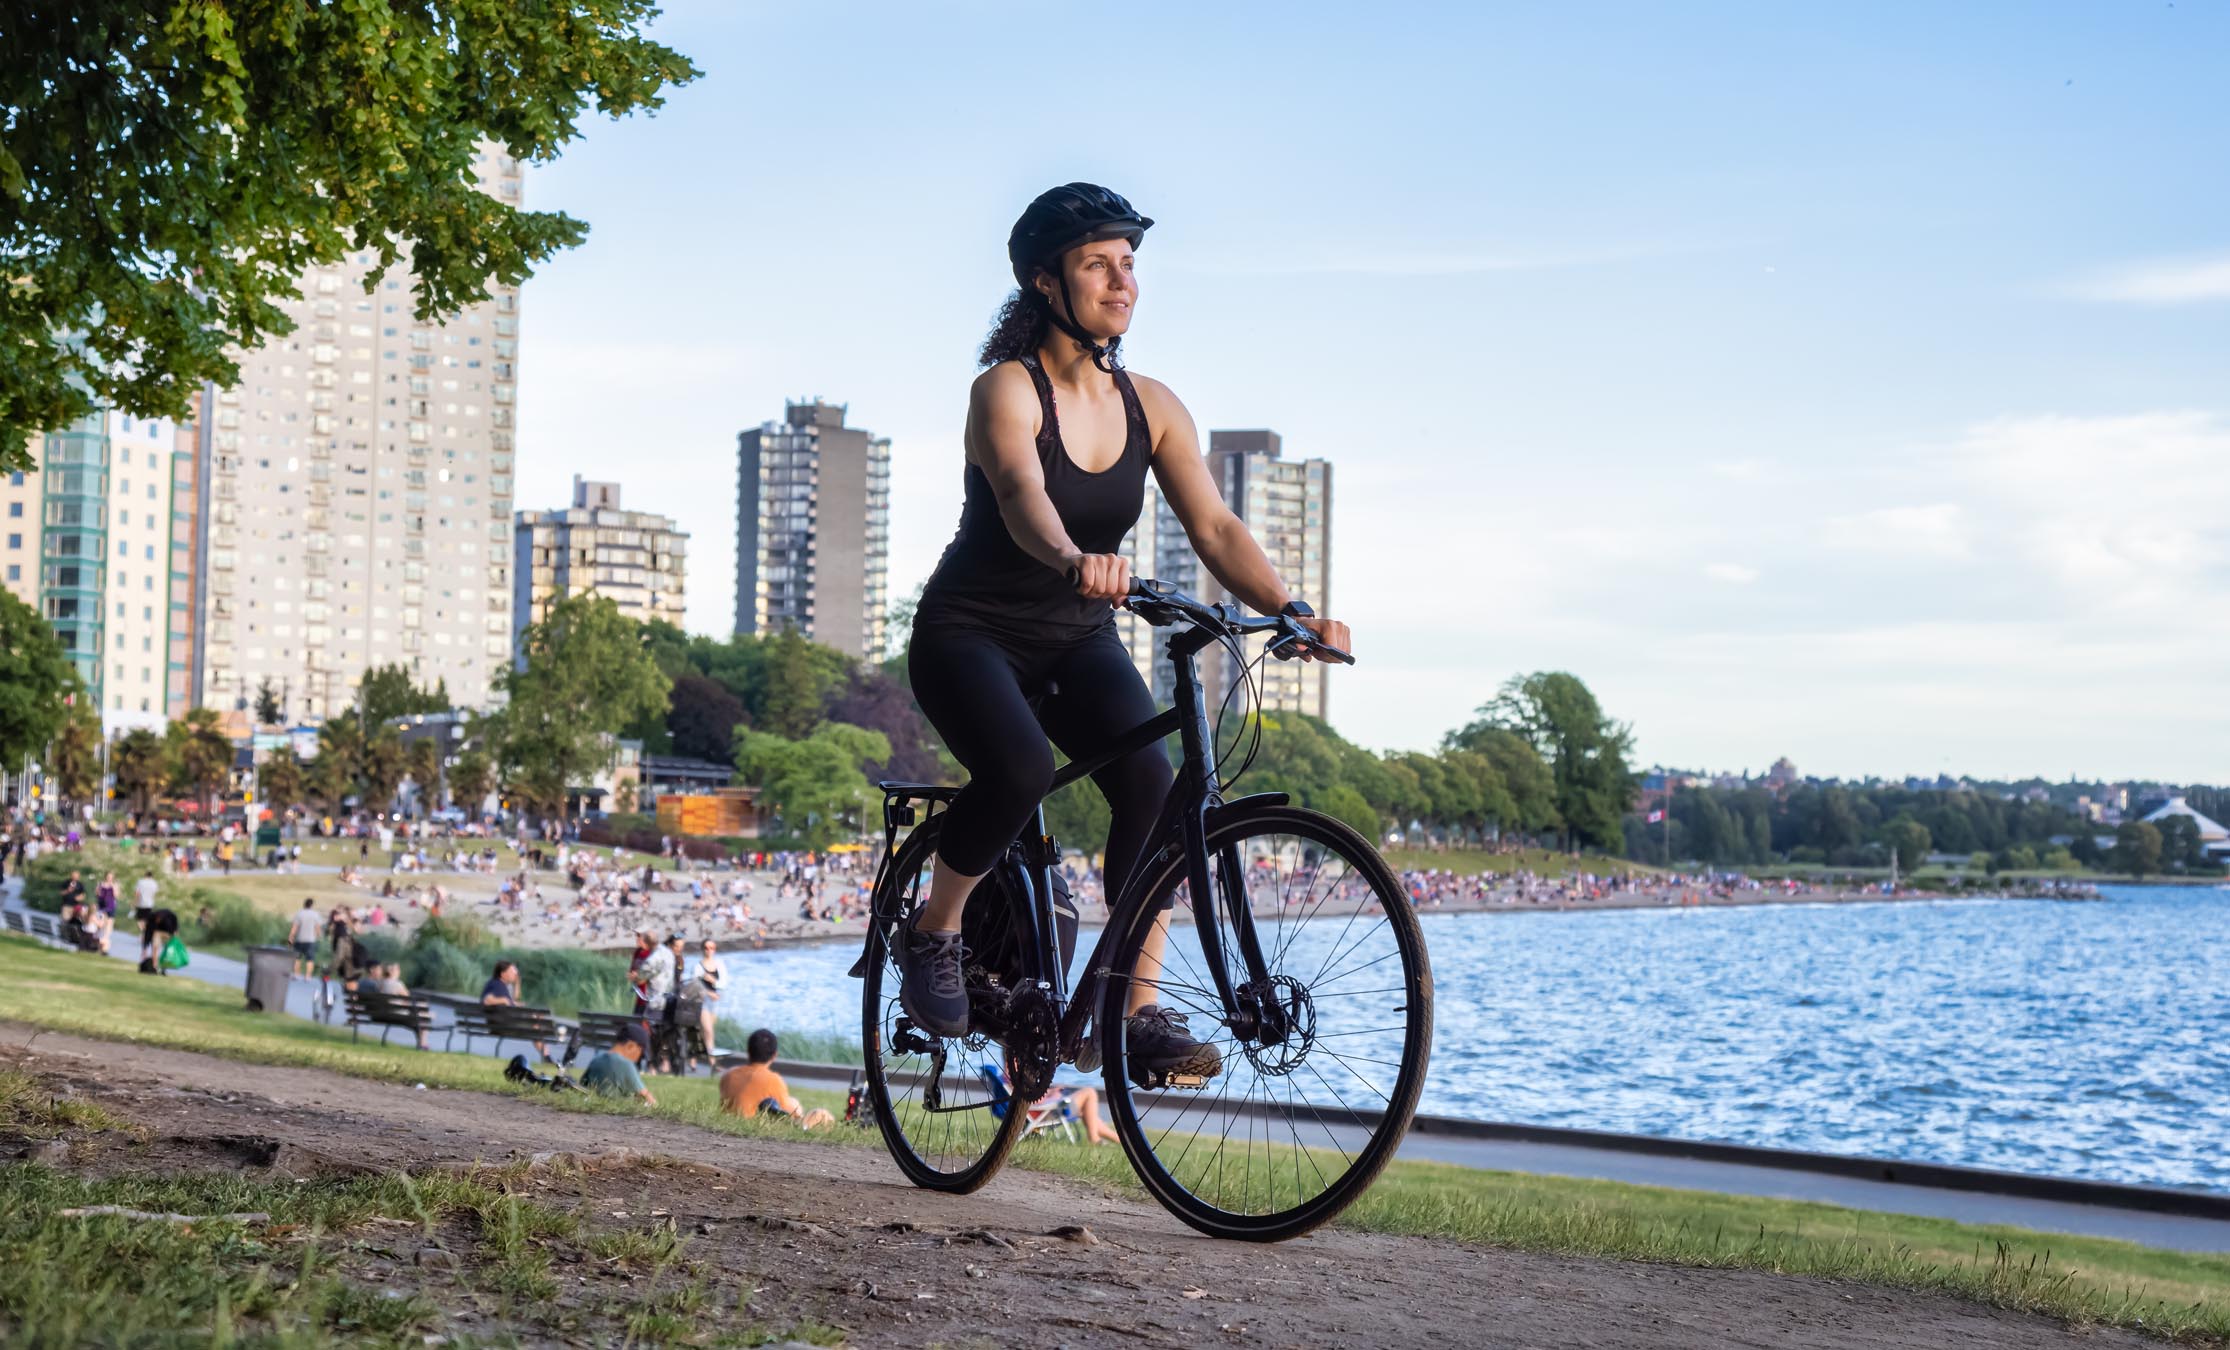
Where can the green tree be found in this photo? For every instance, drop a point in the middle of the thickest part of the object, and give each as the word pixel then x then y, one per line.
pixel 587 674
pixel 1344 802
pixel 1908 840
pixel 471 779
pixel 796 684
pixel 340 759
pixel 387 692
pixel 2137 849
pixel 268 711
pixel 422 760
pixel 1525 776
pixel 702 718
pixel 384 765
pixel 138 763
pixel 1585 750
pixel 2181 849
pixel 73 758
pixel 281 778
pixel 171 170
pixel 35 676
pixel 199 755
pixel 815 783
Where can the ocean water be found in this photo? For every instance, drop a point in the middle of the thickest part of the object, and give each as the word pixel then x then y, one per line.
pixel 2079 1039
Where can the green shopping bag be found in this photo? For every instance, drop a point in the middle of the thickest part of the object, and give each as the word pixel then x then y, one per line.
pixel 174 954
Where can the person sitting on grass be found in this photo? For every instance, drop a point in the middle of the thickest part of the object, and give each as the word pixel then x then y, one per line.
pixel 750 1088
pixel 502 991
pixel 613 1073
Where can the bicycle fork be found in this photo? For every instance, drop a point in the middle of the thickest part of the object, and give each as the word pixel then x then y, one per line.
pixel 1251 1010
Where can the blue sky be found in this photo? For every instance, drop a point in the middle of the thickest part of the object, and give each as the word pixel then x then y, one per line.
pixel 1848 383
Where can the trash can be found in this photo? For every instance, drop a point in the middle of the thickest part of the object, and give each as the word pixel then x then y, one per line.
pixel 270 970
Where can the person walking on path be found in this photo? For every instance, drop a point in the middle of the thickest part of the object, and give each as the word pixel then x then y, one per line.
pixel 302 932
pixel 144 892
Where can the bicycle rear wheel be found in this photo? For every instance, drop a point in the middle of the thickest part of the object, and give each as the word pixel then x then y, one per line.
pixel 943 1117
pixel 1297 1124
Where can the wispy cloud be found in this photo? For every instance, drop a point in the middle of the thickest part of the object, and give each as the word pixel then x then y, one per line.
pixel 1734 574
pixel 1934 530
pixel 2162 281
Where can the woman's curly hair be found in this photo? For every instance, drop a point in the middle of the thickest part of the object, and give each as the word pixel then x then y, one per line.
pixel 1019 330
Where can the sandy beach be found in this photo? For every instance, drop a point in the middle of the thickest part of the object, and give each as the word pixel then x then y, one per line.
pixel 552 916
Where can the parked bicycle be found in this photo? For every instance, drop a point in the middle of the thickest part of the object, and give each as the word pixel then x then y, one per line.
pixel 1290 946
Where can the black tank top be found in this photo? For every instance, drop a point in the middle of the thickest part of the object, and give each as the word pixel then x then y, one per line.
pixel 986 582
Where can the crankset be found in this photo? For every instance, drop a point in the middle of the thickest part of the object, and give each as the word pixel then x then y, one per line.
pixel 1033 1042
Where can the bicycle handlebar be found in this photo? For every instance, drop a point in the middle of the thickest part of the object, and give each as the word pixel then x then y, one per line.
pixel 1160 604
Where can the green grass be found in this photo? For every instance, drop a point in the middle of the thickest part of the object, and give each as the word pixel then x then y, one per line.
pixel 295 1279
pixel 2084 1280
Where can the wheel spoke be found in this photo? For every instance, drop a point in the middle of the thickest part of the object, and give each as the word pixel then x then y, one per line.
pixel 1287 1147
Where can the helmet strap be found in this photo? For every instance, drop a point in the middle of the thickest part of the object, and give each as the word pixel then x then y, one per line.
pixel 1104 355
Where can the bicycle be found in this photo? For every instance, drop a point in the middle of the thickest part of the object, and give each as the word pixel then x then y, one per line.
pixel 1323 1031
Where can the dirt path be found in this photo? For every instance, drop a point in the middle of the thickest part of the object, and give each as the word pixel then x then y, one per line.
pixel 834 1235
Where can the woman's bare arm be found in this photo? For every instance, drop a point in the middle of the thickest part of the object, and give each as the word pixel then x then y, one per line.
pixel 1003 442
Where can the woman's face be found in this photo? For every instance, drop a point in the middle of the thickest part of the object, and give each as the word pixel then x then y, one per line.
pixel 1103 284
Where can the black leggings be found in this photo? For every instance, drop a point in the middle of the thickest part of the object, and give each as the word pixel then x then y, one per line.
pixel 975 688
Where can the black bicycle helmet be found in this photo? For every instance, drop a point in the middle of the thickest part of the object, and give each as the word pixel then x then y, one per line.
pixel 1059 220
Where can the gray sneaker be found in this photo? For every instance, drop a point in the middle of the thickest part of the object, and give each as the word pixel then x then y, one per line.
pixel 930 987
pixel 1159 1040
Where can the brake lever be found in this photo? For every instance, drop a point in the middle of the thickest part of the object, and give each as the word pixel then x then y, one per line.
pixel 1285 642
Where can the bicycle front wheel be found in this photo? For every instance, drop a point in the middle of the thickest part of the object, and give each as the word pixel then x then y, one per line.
pixel 938 1101
pixel 1302 1115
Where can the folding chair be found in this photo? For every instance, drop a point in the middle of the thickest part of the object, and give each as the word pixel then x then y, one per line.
pixel 1049 1113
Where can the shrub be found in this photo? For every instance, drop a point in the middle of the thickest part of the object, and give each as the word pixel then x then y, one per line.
pixel 433 963
pixel 44 876
pixel 570 981
pixel 381 946
pixel 459 931
pixel 232 921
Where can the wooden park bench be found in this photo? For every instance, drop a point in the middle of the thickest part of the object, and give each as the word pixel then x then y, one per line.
pixel 505 1023
pixel 368 1007
pixel 600 1031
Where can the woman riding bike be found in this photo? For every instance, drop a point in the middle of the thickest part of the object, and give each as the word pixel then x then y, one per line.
pixel 1059 440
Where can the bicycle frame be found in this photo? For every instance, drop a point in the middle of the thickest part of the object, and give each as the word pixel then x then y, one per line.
pixel 1194 800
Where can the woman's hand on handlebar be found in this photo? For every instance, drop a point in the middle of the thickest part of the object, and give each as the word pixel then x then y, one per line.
pixel 1332 631
pixel 1100 576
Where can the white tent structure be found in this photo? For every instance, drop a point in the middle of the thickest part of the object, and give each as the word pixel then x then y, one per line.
pixel 2214 839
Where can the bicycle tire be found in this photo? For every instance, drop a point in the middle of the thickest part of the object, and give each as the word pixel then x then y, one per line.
pixel 1152 1124
pixel 950 1148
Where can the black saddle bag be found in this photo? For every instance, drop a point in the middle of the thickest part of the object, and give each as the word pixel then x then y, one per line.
pixel 988 924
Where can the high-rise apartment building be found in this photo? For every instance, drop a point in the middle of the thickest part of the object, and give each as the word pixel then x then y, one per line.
pixel 86 538
pixel 355 497
pixel 633 557
pixel 1287 506
pixel 813 529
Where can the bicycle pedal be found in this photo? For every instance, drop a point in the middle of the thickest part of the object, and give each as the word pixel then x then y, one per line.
pixel 1186 1080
